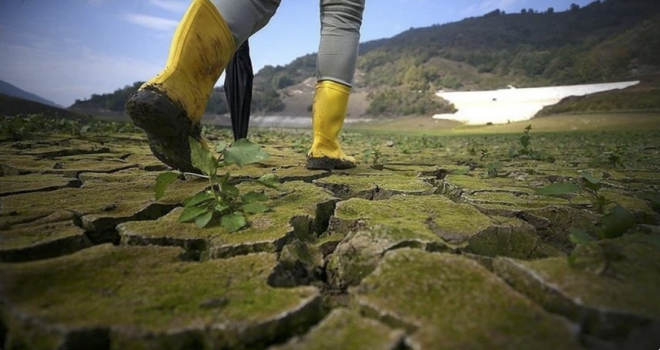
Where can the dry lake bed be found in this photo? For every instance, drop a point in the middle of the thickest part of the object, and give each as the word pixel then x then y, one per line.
pixel 504 241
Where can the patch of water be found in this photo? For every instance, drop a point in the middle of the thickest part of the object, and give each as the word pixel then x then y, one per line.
pixel 504 105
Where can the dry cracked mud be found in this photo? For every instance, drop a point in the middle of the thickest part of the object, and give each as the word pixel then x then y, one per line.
pixel 432 248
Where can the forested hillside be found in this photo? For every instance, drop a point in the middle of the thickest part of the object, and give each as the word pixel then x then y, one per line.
pixel 605 41
pixel 114 102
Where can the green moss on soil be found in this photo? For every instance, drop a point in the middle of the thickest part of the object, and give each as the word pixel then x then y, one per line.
pixel 297 199
pixel 66 165
pixel 114 199
pixel 442 296
pixel 33 182
pixel 299 173
pixel 387 181
pixel 634 290
pixel 147 289
pixel 511 200
pixel 24 237
pixel 629 202
pixel 345 329
pixel 474 183
pixel 408 214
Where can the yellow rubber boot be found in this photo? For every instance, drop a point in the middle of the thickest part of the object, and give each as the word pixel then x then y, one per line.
pixel 328 113
pixel 169 106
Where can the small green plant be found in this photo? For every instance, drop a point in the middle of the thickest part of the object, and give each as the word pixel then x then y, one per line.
pixel 472 150
pixel 612 224
pixel 301 145
pixel 525 141
pixel 492 169
pixel 591 185
pixel 615 156
pixel 588 183
pixel 222 200
pixel 484 154
pixel 15 128
pixel 377 161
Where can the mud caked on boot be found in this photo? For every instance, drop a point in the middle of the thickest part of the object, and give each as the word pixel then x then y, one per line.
pixel 169 107
pixel 328 113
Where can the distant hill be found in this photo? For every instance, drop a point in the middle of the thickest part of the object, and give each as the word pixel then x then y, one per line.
pixel 605 41
pixel 12 106
pixel 11 90
pixel 608 40
pixel 642 97
pixel 114 102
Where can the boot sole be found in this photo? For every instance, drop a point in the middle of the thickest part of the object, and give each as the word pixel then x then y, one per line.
pixel 327 163
pixel 167 127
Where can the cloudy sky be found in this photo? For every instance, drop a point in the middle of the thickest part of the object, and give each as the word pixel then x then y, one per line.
pixel 64 50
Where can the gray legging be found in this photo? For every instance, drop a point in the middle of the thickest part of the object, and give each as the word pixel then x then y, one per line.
pixel 340 31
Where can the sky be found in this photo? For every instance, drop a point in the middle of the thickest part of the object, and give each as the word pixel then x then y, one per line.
pixel 64 50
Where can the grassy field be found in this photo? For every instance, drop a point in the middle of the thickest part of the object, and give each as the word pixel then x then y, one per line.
pixel 556 123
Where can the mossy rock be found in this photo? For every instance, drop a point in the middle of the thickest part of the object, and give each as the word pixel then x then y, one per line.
pixel 374 186
pixel 34 242
pixel 511 237
pixel 439 298
pixel 145 297
pixel 609 301
pixel 435 224
pixel 360 252
pixel 434 219
pixel 346 329
pixel 298 211
pixel 328 242
pixel 299 263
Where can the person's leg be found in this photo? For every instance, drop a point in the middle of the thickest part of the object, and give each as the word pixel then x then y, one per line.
pixel 246 17
pixel 336 60
pixel 169 107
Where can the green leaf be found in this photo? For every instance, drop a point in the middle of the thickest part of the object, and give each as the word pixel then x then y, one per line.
pixel 198 198
pixel 269 180
pixel 233 222
pixel 190 213
pixel 221 146
pixel 162 181
pixel 203 219
pixel 579 236
pixel 230 190
pixel 617 222
pixel 223 180
pixel 254 197
pixel 366 155
pixel 255 208
pixel 244 152
pixel 590 178
pixel 201 158
pixel 558 189
pixel 221 206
